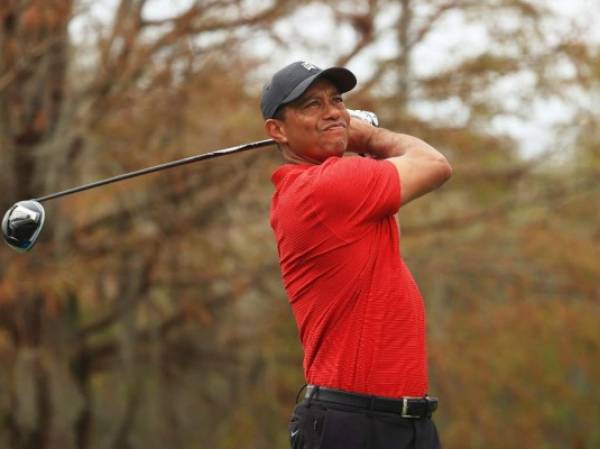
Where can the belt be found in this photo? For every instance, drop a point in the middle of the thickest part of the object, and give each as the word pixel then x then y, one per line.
pixel 406 407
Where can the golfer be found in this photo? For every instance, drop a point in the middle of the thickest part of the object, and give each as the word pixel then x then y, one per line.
pixel 359 313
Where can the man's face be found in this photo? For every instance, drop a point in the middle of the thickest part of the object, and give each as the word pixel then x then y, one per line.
pixel 315 126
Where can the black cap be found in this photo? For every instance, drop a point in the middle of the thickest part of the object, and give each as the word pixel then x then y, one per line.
pixel 292 81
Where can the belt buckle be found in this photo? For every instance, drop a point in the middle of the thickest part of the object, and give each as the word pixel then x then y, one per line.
pixel 404 413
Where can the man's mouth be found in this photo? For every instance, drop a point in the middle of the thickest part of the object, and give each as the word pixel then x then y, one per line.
pixel 335 127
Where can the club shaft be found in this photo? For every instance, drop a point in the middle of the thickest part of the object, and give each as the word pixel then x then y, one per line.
pixel 145 171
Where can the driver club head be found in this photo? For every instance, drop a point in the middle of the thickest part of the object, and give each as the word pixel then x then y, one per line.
pixel 22 224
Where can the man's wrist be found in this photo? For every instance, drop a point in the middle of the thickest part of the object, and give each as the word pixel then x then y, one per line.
pixel 361 133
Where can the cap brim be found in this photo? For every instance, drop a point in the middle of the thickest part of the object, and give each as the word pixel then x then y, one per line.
pixel 342 78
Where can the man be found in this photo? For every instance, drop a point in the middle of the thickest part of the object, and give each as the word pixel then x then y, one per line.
pixel 358 310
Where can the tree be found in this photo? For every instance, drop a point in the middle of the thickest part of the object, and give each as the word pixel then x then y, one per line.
pixel 149 307
pixel 132 309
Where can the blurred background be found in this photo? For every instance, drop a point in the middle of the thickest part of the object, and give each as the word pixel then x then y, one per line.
pixel 151 313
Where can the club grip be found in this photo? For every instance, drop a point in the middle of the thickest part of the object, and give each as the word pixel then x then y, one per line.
pixel 367 116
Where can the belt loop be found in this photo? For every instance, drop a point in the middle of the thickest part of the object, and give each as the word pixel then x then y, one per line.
pixel 313 391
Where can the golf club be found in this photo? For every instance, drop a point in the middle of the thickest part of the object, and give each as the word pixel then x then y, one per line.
pixel 23 222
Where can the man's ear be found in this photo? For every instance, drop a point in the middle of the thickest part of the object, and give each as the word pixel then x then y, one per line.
pixel 276 131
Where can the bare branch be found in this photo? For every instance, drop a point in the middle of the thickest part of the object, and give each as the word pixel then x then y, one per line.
pixel 364 25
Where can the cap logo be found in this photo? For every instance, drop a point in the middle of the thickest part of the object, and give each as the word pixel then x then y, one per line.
pixel 308 66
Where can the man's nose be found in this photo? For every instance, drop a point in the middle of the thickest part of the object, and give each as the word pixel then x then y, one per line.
pixel 332 110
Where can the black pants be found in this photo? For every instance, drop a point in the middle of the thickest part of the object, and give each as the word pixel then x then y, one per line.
pixel 322 425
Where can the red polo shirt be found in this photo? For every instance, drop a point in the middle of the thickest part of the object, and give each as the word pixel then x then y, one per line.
pixel 358 310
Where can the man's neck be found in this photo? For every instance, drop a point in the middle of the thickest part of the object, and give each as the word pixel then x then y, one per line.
pixel 292 158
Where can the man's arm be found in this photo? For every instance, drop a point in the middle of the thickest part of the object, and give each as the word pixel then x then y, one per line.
pixel 421 167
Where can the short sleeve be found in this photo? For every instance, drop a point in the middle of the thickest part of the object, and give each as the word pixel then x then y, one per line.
pixel 358 190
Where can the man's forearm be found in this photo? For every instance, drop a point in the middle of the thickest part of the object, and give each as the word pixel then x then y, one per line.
pixel 384 144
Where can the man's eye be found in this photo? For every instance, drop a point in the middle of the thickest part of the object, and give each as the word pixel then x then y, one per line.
pixel 338 99
pixel 311 103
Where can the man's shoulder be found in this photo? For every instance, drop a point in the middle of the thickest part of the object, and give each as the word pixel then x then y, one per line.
pixel 334 171
pixel 348 164
pixel 353 163
pixel 351 168
pixel 290 172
